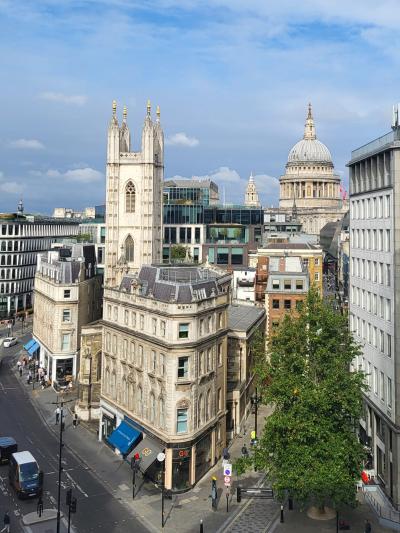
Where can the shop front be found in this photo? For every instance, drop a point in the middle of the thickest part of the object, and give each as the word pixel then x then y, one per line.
pixel 203 456
pixel 181 463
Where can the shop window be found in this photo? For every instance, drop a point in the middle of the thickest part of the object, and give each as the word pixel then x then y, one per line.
pixel 275 304
pixel 183 331
pixel 181 420
pixel 183 367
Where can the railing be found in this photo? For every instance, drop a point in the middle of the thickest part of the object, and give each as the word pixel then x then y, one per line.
pixel 383 512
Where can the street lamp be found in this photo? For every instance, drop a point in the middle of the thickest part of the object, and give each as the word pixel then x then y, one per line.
pixel 161 459
pixel 254 401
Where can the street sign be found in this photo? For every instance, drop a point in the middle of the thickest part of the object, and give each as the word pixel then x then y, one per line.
pixel 227 470
pixel 227 481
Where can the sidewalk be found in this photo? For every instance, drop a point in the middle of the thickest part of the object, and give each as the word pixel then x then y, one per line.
pixel 184 512
pixel 298 521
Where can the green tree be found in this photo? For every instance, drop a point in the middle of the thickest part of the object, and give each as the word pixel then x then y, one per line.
pixel 178 252
pixel 309 446
pixel 84 237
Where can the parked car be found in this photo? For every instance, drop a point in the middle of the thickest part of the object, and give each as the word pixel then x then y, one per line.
pixel 9 341
pixel 8 445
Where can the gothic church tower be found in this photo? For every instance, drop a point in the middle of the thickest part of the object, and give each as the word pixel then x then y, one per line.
pixel 133 198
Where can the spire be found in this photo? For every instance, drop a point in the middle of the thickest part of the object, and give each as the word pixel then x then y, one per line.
pixel 251 176
pixel 309 128
pixel 148 108
pixel 158 113
pixel 114 107
pixel 114 120
pixel 125 114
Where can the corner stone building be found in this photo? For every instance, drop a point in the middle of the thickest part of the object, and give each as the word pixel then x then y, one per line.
pixel 309 187
pixel 165 366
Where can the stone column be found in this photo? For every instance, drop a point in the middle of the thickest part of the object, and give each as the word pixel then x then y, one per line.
pixel 213 446
pixel 168 468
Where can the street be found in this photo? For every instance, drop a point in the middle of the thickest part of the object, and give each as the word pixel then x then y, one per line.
pixel 97 509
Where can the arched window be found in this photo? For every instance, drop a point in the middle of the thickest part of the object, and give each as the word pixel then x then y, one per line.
pixel 152 413
pixel 208 406
pixel 201 410
pixel 130 197
pixel 140 401
pixel 129 249
pixel 161 412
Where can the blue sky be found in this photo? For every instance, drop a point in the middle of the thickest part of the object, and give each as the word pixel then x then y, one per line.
pixel 233 79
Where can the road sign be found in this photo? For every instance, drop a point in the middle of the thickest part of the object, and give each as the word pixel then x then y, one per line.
pixel 227 480
pixel 227 470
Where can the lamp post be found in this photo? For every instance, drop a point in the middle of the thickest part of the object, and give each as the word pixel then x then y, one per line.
pixel 254 400
pixel 161 459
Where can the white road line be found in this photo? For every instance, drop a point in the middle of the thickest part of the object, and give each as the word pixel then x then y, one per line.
pixel 30 440
pixel 76 485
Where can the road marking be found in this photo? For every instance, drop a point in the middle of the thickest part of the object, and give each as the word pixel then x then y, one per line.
pixel 30 440
pixel 48 473
pixel 76 484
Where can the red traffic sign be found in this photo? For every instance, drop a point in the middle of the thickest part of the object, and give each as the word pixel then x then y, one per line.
pixel 227 480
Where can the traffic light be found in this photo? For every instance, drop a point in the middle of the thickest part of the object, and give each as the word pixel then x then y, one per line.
pixel 69 497
pixel 73 505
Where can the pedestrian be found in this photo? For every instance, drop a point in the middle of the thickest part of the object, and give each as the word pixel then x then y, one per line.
pixel 19 364
pixel 75 420
pixel 214 492
pixel 40 506
pixel 20 371
pixel 245 452
pixel 6 523
pixel 58 412
pixel 368 527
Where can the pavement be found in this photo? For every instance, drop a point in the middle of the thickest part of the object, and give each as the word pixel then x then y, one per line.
pixel 103 481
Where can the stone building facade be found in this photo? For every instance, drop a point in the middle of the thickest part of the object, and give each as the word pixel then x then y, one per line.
pixel 309 184
pixel 165 366
pixel 68 295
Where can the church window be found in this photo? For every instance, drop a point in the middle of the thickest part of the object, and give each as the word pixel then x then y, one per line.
pixel 130 197
pixel 129 249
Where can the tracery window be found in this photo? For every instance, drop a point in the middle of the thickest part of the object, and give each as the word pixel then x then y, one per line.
pixel 130 197
pixel 129 249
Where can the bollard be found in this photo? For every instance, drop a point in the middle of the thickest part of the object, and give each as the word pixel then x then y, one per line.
pixel 201 526
pixel 282 520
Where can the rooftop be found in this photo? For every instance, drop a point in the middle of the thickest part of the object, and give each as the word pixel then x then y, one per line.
pixel 291 246
pixel 192 183
pixel 376 145
pixel 243 317
pixel 180 283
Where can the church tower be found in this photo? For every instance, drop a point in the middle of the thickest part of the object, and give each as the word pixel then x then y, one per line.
pixel 251 198
pixel 133 197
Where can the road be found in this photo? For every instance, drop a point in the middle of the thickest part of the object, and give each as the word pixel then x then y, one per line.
pixel 97 509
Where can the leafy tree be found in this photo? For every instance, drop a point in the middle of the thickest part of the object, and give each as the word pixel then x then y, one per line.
pixel 178 252
pixel 84 237
pixel 309 445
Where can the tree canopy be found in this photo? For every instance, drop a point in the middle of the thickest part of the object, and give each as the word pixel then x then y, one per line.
pixel 309 445
pixel 179 252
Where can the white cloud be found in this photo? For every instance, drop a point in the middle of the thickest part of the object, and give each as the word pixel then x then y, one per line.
pixel 74 99
pixel 225 174
pixel 181 139
pixel 27 144
pixel 83 175
pixel 11 187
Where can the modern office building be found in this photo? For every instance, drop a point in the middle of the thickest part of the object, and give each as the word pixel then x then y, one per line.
pixel 94 231
pixel 68 295
pixel 375 298
pixel 22 237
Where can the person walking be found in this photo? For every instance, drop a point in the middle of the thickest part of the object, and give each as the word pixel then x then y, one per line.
pixel 368 527
pixel 20 370
pixel 57 412
pixel 214 492
pixel 39 506
pixel 6 523
pixel 245 452
pixel 75 420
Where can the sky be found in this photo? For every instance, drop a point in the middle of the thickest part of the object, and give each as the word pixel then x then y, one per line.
pixel 233 79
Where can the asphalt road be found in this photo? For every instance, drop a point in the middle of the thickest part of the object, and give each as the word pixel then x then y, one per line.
pixel 97 509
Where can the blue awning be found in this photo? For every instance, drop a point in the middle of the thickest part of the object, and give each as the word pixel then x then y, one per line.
pixel 124 437
pixel 29 344
pixel 32 349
